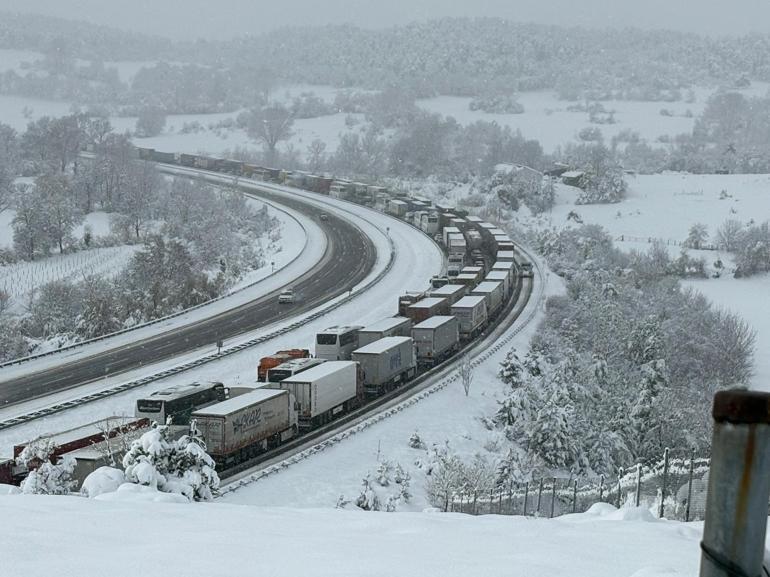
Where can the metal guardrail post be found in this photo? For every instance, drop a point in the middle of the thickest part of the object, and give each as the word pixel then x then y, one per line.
pixel 539 496
pixel 739 486
pixel 638 483
pixel 689 488
pixel 553 497
pixel 526 498
pixel 663 487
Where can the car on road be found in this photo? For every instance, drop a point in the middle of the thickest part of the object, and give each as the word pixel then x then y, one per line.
pixel 323 216
pixel 286 297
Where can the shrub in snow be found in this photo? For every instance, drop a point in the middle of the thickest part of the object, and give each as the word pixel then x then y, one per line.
pixel 45 477
pixel 103 480
pixel 415 441
pixel 180 466
pixel 367 499
pixel 374 497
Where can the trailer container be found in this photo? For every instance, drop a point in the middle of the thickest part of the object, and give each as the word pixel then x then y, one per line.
pixel 473 237
pixel 446 231
pixel 386 362
pixel 426 308
pixel 468 280
pixel 471 313
pixel 476 270
pixel 390 327
pixel 451 292
pixel 272 361
pixel 408 299
pixel 459 223
pixel 397 207
pixel 493 295
pixel 436 339
pixel 505 255
pixel 239 428
pixel 503 277
pixel 323 392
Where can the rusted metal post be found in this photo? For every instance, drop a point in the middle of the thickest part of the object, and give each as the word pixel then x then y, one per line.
pixel 553 498
pixel 739 486
pixel 526 497
pixel 601 488
pixel 539 496
pixel 574 495
pixel 689 488
pixel 638 483
pixel 663 487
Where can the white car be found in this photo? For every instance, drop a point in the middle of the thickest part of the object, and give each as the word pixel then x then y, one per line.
pixel 286 297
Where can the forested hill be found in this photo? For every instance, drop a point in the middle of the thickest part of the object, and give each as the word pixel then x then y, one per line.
pixel 472 56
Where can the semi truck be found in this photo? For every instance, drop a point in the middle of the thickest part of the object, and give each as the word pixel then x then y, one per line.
pixel 492 291
pixel 436 339
pixel 471 313
pixel 386 363
pixel 244 426
pixel 451 292
pixel 323 392
pixel 426 308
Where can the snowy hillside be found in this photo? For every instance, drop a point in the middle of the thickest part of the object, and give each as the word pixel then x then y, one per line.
pixel 97 538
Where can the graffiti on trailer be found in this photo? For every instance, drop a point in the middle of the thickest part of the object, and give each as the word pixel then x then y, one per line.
pixel 247 421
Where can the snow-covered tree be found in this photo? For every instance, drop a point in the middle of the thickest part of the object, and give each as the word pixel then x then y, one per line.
pixel 415 442
pixel 45 477
pixel 512 370
pixel 697 236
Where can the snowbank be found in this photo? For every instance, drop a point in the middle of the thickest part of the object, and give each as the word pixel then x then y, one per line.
pixel 133 538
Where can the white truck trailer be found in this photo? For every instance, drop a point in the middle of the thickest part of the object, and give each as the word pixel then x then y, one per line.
pixel 390 327
pixel 451 292
pixel 493 293
pixel 244 426
pixel 436 339
pixel 323 392
pixel 471 313
pixel 386 363
pixel 503 277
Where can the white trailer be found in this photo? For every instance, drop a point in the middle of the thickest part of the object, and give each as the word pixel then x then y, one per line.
pixel 246 425
pixel 436 339
pixel 386 363
pixel 397 207
pixel 451 292
pixel 503 277
pixel 474 270
pixel 447 231
pixel 390 327
pixel 505 256
pixel 323 392
pixel 471 313
pixel 493 293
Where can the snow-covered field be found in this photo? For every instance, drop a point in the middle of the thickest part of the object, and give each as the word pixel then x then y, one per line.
pixel 128 538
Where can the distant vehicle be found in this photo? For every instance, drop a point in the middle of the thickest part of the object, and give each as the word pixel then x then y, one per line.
pixel 286 297
pixel 178 402
pixel 323 216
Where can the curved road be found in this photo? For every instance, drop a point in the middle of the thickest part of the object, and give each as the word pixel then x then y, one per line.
pixel 348 259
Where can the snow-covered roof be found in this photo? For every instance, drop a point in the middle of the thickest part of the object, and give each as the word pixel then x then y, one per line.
pixel 434 322
pixel 468 302
pixel 487 287
pixel 488 225
pixel 381 345
pixel 340 330
pixel 466 276
pixel 471 269
pixel 497 275
pixel 573 174
pixel 385 324
pixel 502 265
pixel 319 372
pixel 398 202
pixel 230 406
pixel 447 290
pixel 504 254
pixel 473 218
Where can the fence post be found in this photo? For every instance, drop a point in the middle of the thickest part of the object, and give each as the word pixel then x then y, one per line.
pixel 739 486
pixel 553 498
pixel 539 495
pixel 620 475
pixel 574 495
pixel 689 488
pixel 510 497
pixel 663 486
pixel 601 488
pixel 491 500
pixel 638 482
pixel 526 496
pixel 451 507
pixel 500 502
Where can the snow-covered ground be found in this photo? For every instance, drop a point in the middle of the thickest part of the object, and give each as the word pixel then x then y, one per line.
pixel 129 538
pixel 418 258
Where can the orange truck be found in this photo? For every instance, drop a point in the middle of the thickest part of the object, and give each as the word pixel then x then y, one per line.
pixel 272 361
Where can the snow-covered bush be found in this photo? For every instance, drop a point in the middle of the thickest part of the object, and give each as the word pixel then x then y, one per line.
pixel 45 477
pixel 180 466
pixel 386 491
pixel 103 480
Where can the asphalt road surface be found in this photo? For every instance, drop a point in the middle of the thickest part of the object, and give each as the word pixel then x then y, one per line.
pixel 349 257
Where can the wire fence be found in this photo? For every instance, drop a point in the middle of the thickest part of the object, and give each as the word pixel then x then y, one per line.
pixel 674 487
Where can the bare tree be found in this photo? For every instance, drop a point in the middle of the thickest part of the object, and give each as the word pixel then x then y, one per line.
pixel 270 125
pixel 465 372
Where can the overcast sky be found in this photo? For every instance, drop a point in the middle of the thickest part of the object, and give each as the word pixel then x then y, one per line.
pixel 216 19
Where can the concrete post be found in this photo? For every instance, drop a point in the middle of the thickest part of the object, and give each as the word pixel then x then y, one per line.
pixel 739 486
